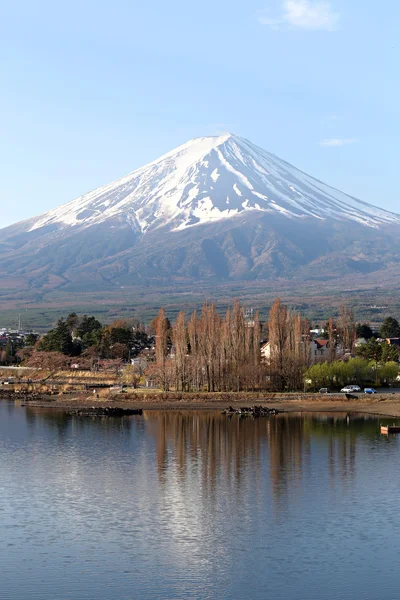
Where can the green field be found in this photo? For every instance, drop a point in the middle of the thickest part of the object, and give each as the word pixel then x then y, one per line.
pixel 317 302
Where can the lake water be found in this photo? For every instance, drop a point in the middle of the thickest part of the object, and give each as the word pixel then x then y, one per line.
pixel 192 505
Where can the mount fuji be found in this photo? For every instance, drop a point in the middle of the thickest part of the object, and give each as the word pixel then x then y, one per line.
pixel 216 208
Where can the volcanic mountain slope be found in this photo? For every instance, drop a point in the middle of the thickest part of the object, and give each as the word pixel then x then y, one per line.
pixel 216 207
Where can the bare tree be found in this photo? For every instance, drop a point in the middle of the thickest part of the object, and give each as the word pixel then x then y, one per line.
pixel 162 327
pixel 289 338
pixel 179 337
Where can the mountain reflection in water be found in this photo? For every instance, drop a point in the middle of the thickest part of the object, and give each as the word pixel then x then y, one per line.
pixel 193 504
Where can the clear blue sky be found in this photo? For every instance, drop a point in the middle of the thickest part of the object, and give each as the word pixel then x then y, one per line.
pixel 91 90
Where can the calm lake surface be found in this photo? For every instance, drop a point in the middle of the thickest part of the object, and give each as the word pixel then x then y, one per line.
pixel 192 505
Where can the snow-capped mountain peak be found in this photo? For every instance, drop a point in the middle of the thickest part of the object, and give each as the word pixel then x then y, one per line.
pixel 208 179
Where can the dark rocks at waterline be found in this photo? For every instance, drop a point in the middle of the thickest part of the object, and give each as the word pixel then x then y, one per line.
pixel 351 397
pixel 107 411
pixel 254 411
pixel 25 395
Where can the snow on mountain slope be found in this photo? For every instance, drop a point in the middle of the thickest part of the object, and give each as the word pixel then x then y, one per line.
pixel 208 179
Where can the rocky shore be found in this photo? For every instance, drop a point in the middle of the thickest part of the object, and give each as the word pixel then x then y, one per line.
pixel 378 404
pixel 105 411
pixel 251 411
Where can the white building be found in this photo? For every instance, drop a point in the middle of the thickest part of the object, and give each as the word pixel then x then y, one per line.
pixel 318 351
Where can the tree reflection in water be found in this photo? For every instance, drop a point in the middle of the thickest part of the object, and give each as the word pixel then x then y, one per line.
pixel 216 448
pixel 230 447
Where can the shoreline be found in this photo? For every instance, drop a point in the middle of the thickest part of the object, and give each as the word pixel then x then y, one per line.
pixel 385 405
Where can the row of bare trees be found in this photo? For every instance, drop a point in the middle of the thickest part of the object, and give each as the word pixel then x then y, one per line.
pixel 207 352
pixel 342 334
pixel 289 347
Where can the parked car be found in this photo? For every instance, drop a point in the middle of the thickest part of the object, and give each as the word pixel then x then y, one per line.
pixel 324 391
pixel 349 389
pixel 369 391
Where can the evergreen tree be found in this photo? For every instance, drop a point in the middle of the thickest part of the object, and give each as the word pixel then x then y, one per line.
pixel 72 322
pixel 9 352
pixel 89 331
pixel 88 325
pixel 390 328
pixel 58 339
pixel 372 350
pixel 31 339
pixel 364 331
pixel 390 353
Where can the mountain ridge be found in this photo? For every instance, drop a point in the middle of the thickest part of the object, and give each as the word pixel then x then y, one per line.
pixel 216 208
pixel 207 179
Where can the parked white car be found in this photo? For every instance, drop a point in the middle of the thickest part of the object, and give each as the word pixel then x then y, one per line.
pixel 349 389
